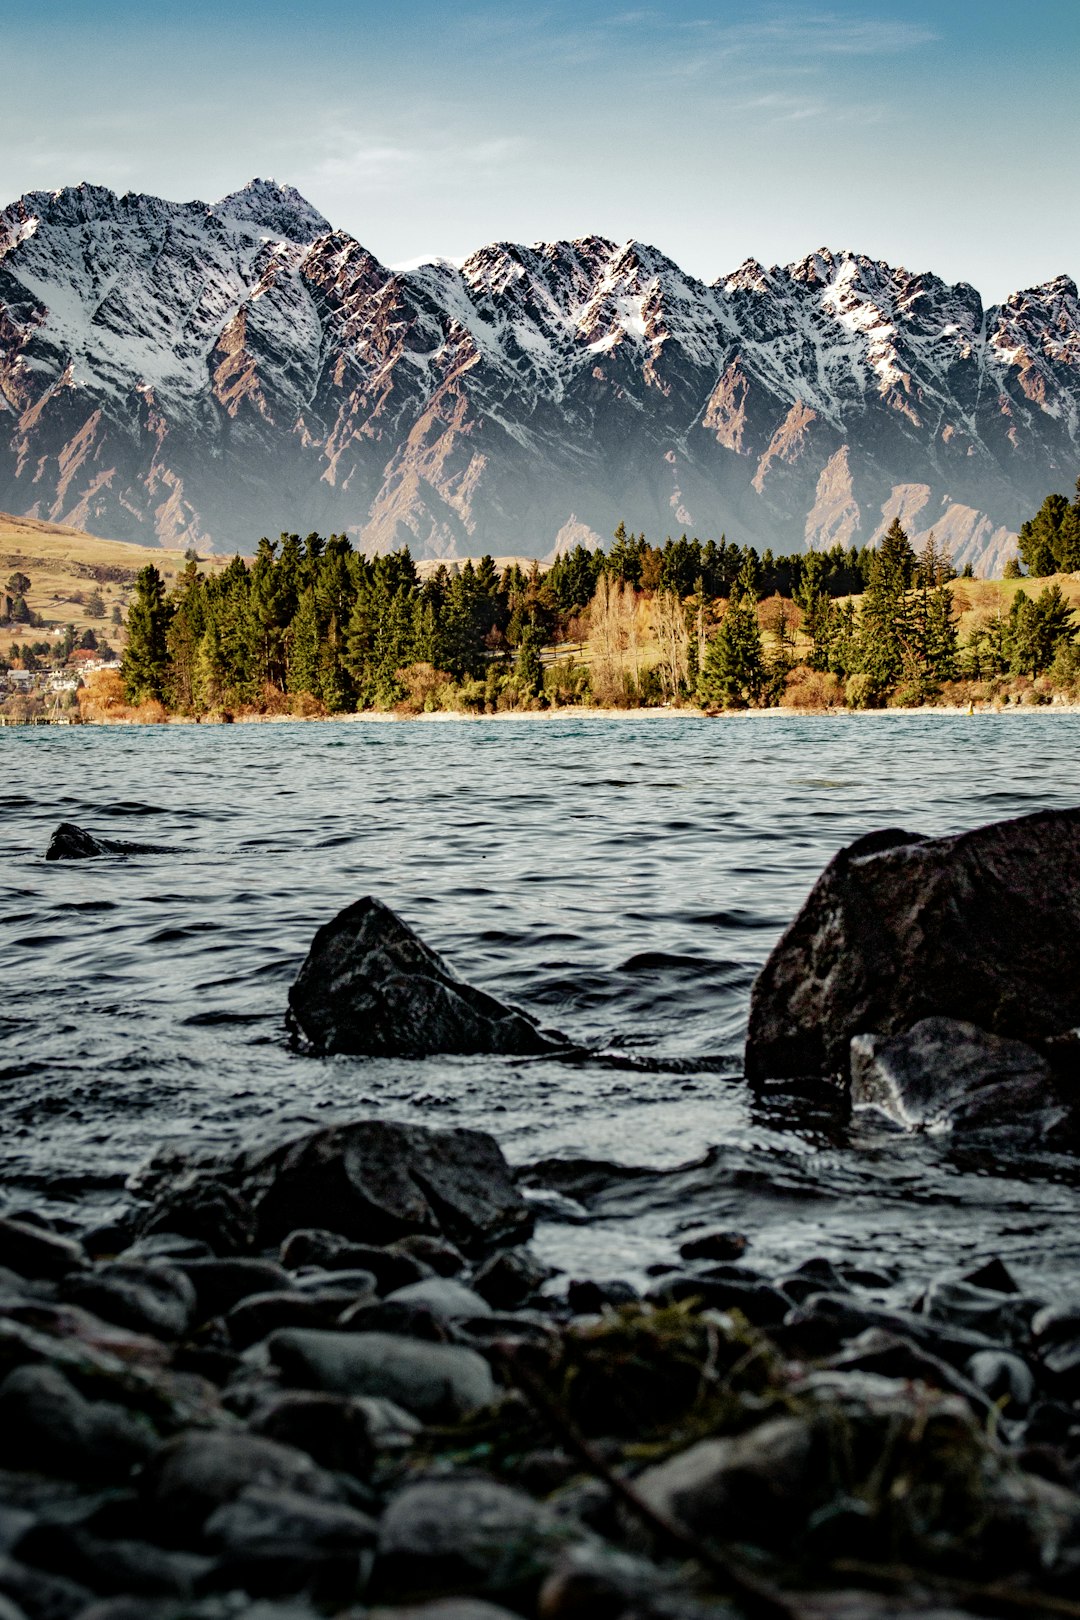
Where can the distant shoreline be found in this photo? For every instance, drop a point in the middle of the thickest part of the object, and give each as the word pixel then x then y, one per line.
pixel 554 716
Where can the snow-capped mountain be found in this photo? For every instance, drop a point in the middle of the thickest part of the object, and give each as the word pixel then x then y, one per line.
pixel 194 374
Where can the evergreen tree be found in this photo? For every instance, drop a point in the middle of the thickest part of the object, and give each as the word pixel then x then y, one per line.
pixel 145 667
pixel 733 672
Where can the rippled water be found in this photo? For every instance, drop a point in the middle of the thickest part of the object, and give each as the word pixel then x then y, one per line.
pixel 624 879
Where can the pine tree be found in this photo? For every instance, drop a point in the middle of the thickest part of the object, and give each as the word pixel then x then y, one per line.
pixel 145 668
pixel 733 672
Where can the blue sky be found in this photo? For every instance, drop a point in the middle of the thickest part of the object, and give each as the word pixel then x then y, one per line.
pixel 942 137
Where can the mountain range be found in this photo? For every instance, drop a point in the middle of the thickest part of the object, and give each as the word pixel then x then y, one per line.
pixel 186 374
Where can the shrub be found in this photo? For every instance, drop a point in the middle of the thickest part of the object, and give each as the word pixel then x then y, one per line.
pixel 861 692
pixel 813 689
pixel 102 697
pixel 306 707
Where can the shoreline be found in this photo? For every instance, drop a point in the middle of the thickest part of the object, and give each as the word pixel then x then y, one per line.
pixel 444 717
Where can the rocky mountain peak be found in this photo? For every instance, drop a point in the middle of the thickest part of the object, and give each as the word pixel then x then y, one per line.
pixel 279 209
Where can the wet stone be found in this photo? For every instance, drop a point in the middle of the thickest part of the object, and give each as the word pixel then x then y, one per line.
pixel 272 1541
pixel 256 1317
pixel 158 1299
pixel 759 1486
pixel 336 1432
pixel 369 985
pixel 1003 1377
pixel 195 1473
pixel 437 1382
pixel 39 1595
pixel 113 1565
pixel 510 1278
pixel 444 1258
pixel 317 1247
pixel 48 1424
pixel 714 1245
pixel 34 1251
pixel 945 1072
pixel 587 1298
pixel 467 1536
pixel 399 1316
pixel 444 1297
pixel 221 1284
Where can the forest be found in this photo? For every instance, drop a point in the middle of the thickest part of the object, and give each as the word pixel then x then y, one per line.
pixel 312 627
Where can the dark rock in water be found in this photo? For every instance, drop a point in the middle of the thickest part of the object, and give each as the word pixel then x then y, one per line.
pixel 984 926
pixel 33 1251
pixel 714 1246
pixel 1005 1318
pixel 438 1382
pixel 374 1181
pixel 48 1424
pixel 947 1074
pixel 71 843
pixel 369 985
pixel 587 1296
pixel 158 1300
pixel 466 1536
pixel 995 1275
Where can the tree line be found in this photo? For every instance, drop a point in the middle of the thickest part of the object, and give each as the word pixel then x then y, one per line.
pixel 315 626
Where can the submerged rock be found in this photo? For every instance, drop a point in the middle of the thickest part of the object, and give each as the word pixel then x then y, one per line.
pixel 946 1074
pixel 983 926
pixel 71 843
pixel 369 985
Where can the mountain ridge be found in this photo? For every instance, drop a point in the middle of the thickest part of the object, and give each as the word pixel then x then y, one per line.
pixel 192 373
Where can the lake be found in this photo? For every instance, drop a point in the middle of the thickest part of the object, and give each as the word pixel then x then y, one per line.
pixel 623 879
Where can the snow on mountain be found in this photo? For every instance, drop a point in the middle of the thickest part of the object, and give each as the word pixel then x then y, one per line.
pixel 202 374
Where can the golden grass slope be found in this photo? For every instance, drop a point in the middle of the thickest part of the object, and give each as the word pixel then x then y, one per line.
pixel 65 566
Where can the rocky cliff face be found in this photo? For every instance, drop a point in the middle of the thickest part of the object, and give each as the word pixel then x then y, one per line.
pixel 193 374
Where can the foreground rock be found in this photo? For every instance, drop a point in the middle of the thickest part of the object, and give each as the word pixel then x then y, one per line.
pixel 437 1382
pixel 945 1074
pixel 368 1182
pixel 369 985
pixel 71 843
pixel 983 927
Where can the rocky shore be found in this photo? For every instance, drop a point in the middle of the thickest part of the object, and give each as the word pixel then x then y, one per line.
pixel 331 1377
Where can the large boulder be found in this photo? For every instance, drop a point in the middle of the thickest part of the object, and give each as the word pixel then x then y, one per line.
pixel 369 985
pixel 984 926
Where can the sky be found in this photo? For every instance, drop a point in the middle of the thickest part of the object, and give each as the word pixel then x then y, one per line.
pixel 940 136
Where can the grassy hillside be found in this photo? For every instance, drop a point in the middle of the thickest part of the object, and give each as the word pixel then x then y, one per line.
pixel 979 600
pixel 65 567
